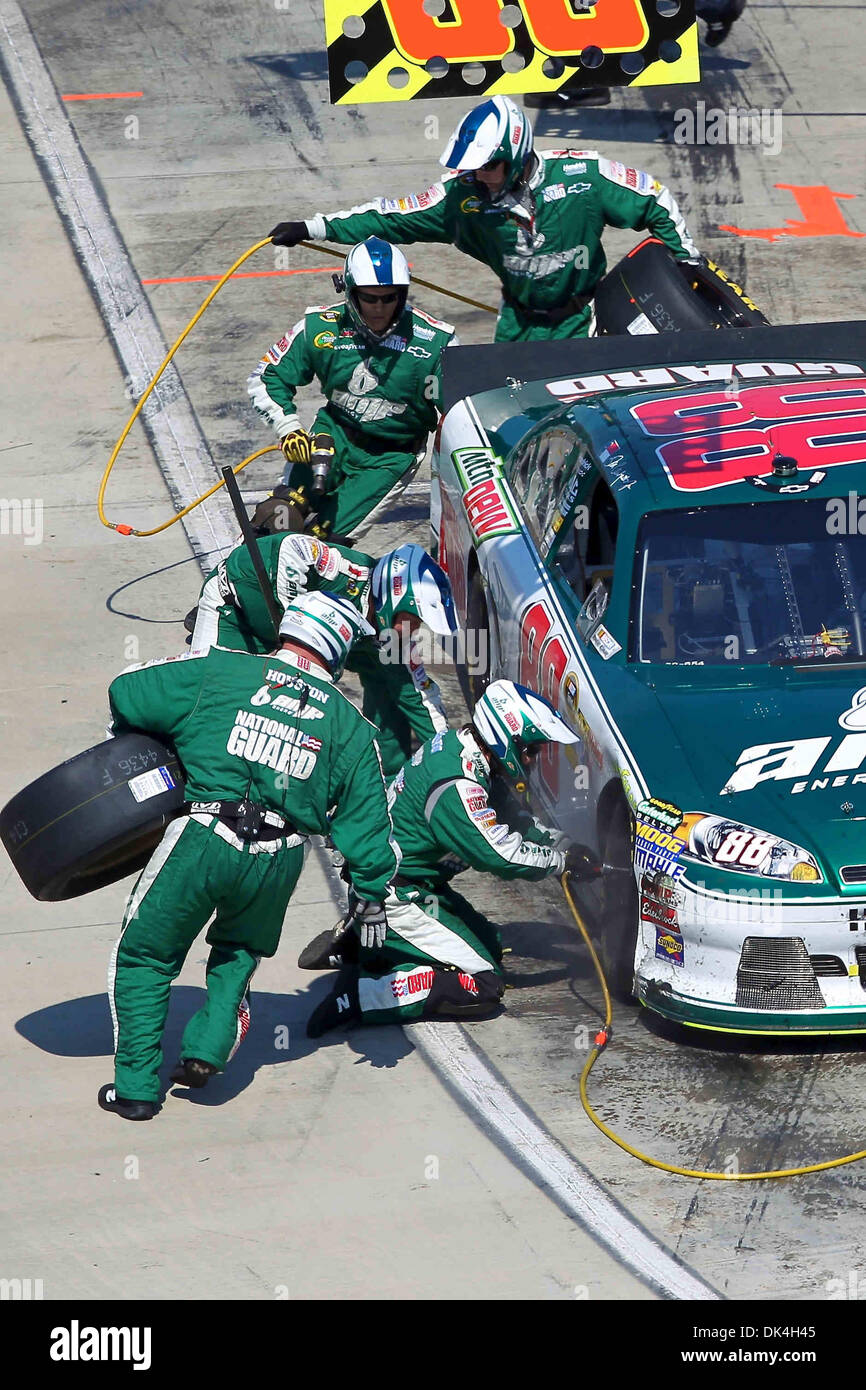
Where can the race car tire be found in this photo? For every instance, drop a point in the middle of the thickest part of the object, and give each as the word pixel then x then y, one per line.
pixel 620 905
pixel 649 291
pixel 473 683
pixel 94 819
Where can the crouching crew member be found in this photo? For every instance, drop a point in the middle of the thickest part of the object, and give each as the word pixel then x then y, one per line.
pixel 397 594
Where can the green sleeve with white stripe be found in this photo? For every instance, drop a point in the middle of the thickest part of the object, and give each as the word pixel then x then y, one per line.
pixel 463 822
pixel 281 381
pixel 419 220
pixel 157 698
pixel 361 825
pixel 648 206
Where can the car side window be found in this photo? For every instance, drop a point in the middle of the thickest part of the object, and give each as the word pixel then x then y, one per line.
pixel 522 466
pixel 556 450
pixel 587 548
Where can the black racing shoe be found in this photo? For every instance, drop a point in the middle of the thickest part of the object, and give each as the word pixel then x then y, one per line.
pixel 341 1006
pixel 126 1109
pixel 330 949
pixel 192 1071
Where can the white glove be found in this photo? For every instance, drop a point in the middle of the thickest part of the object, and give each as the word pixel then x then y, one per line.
pixel 369 921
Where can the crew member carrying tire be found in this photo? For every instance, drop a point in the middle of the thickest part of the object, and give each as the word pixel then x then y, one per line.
pixel 378 362
pixel 396 594
pixel 441 956
pixel 269 747
pixel 536 219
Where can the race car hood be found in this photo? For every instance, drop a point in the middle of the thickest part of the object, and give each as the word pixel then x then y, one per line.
pixel 785 752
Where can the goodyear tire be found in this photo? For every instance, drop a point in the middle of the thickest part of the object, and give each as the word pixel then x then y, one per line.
pixel 620 907
pixel 649 291
pixel 473 683
pixel 94 819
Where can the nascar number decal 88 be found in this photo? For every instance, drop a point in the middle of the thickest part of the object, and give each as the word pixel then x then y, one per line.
pixel 543 661
pixel 743 847
pixel 478 33
pixel 711 447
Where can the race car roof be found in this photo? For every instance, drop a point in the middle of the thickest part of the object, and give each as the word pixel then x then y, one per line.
pixel 472 370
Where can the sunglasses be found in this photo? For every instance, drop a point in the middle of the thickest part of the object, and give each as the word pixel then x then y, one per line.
pixel 377 298
pixel 492 164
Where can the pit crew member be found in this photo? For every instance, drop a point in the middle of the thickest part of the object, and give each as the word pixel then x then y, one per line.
pixel 535 218
pixel 269 746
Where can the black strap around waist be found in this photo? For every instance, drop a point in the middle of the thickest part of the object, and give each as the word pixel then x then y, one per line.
pixel 554 315
pixel 246 819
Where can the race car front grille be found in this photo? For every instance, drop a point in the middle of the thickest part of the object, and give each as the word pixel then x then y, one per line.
pixel 776 973
pixel 853 873
pixel 828 965
pixel 860 953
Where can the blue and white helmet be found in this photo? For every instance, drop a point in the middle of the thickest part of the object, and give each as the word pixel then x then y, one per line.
pixel 510 719
pixel 407 581
pixel 370 263
pixel 497 129
pixel 327 624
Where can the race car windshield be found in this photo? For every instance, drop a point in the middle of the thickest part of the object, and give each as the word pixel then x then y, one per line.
pixel 756 585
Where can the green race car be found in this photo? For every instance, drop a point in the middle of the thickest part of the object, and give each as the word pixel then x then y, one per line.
pixel 665 536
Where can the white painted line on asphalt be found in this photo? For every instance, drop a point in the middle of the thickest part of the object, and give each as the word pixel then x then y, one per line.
pixel 468 1073
pixel 187 467
pixel 168 416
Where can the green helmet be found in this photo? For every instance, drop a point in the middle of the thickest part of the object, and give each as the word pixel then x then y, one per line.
pixel 327 624
pixel 511 719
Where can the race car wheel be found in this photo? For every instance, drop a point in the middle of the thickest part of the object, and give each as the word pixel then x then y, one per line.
pixel 94 819
pixel 620 905
pixel 475 678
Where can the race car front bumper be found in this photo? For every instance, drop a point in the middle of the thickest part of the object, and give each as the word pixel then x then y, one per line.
pixel 759 963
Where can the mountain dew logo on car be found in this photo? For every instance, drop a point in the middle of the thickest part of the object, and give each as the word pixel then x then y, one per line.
pixel 488 506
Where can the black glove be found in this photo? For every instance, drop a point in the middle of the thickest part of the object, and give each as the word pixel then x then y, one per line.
pixel 289 233
pixel 581 863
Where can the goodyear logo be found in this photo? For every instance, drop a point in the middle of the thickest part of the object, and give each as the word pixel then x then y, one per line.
pixel 400 50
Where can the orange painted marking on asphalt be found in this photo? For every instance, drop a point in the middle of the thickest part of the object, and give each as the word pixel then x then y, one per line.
pixel 98 96
pixel 822 215
pixel 241 275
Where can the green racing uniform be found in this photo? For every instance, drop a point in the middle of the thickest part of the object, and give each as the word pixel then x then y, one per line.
pixel 381 402
pixel 399 699
pixel 273 730
pixel 442 956
pixel 543 240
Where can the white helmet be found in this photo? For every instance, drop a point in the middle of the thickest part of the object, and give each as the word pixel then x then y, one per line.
pixel 497 129
pixel 510 719
pixel 327 624
pixel 372 263
pixel 407 581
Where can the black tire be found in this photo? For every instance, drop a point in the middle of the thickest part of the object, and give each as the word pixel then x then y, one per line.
pixel 674 297
pixel 621 905
pixel 80 826
pixel 474 682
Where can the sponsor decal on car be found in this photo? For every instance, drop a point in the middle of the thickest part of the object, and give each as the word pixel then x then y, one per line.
pixel 605 643
pixel 663 813
pixel 669 946
pixel 793 759
pixel 572 388
pixel 657 850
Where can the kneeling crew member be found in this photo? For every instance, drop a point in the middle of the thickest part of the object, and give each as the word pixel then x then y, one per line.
pixel 441 957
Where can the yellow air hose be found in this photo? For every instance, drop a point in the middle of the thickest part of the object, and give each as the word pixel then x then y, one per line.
pixel 122 527
pixel 601 1040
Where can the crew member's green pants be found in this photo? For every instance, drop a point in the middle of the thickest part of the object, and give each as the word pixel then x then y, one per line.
pixel 441 958
pixel 200 868
pixel 360 477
